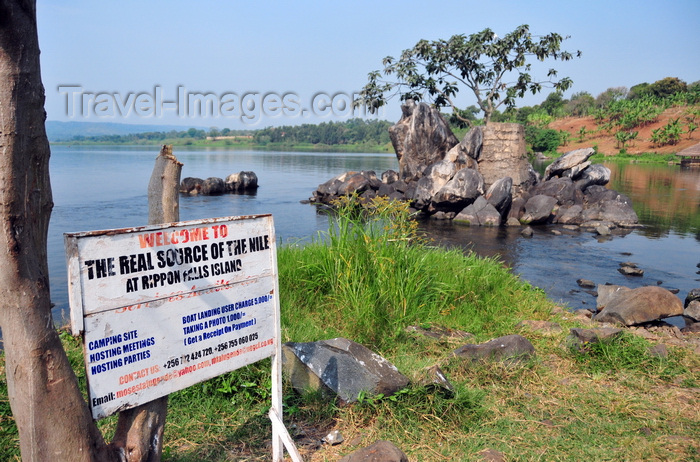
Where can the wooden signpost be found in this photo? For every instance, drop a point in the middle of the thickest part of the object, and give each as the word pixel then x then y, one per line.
pixel 162 308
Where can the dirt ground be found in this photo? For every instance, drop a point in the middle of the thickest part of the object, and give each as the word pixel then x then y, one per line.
pixel 607 144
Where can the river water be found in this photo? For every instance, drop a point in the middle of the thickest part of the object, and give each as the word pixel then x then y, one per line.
pixel 105 188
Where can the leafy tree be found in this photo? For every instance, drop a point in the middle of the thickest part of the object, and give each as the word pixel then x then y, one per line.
pixel 668 86
pixel 553 104
pixel 495 69
pixel 580 104
pixel 639 91
pixel 610 95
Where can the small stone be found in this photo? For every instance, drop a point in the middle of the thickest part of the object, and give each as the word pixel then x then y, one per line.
pixel 333 438
pixel 491 455
pixel 585 283
pixel 556 232
pixel 527 232
pixel 692 310
pixel 631 271
pixel 603 230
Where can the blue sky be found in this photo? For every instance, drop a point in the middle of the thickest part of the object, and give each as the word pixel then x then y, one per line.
pixel 309 48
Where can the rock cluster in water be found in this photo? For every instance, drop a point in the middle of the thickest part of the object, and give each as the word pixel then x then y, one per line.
pixel 486 179
pixel 235 182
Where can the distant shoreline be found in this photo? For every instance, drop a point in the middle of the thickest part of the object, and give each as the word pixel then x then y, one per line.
pixel 231 144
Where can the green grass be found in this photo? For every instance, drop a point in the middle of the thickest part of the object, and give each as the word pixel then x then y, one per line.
pixel 369 277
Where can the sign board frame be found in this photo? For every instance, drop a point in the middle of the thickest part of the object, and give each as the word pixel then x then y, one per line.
pixel 163 307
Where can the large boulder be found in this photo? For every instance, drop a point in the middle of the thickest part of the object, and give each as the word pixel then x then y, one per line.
pixel 342 367
pixel 500 195
pixel 479 213
pixel 434 178
pixel 562 189
pixel 567 161
pixel 618 211
pixel 420 138
pixel 538 209
pixel 241 181
pixel 191 185
pixel 212 186
pixel 460 191
pixel 641 305
pixel 595 174
pixel 467 152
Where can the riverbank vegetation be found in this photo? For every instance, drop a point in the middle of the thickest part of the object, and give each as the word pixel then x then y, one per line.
pixel 369 277
pixel 647 123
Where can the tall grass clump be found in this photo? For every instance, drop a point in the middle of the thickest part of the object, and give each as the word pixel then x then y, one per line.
pixel 371 275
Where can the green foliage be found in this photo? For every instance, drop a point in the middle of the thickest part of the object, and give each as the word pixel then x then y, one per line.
pixel 496 70
pixel 669 134
pixel 371 275
pixel 623 137
pixel 667 86
pixel 610 95
pixel 542 139
pixel 626 352
pixel 329 133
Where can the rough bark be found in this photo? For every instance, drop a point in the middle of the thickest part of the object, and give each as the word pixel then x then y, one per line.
pixel 53 419
pixel 139 434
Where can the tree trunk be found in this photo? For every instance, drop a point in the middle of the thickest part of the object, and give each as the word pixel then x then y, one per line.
pixel 53 419
pixel 139 435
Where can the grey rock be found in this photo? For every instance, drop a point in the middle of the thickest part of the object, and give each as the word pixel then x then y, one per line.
pixel 585 283
pixel 434 178
pixel 567 161
pixel 595 174
pixel 602 230
pixel 191 186
pixel 469 215
pixel 333 438
pixel 500 195
pixel 692 310
pixel 434 377
pixel 562 189
pixel 641 305
pixel 342 366
pixel 607 292
pixel 212 186
pixel 570 215
pixel 693 294
pixel 241 181
pixel 618 211
pixel 355 183
pixel 511 349
pixel 527 232
pixel 631 270
pixel 381 451
pixel 420 138
pixel 579 337
pixel 390 176
pixel 538 209
pixel 488 216
pixel 464 187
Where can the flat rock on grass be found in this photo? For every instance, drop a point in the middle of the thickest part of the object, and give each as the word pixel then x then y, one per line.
pixel 381 451
pixel 511 349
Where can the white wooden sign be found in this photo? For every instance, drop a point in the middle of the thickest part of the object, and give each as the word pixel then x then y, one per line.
pixel 164 307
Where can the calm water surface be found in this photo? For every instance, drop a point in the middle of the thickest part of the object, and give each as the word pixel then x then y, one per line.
pixel 105 188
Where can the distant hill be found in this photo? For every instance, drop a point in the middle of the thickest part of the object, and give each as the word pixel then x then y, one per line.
pixel 65 131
